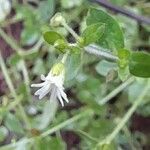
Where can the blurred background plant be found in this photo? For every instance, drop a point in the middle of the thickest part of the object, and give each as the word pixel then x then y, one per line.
pixel 85 122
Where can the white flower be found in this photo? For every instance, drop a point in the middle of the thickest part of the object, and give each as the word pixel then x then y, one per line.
pixel 5 7
pixel 53 83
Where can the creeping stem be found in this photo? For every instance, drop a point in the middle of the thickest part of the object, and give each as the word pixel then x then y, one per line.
pixel 127 116
pixel 12 89
pixel 116 91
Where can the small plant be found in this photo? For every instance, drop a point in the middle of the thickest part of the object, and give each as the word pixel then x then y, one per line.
pixel 85 68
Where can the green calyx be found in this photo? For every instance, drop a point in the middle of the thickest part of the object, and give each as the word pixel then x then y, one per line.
pixel 57 20
pixel 61 45
pixel 57 69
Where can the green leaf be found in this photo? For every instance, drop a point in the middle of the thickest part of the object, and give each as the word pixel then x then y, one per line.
pixel 13 123
pixel 48 143
pixel 139 64
pixel 22 145
pixel 113 36
pixel 39 67
pixel 57 144
pixel 3 133
pixel 31 24
pixel 14 59
pixel 29 35
pixel 103 67
pixel 46 10
pixel 93 33
pixel 135 89
pixel 72 66
pixel 48 114
pixel 51 37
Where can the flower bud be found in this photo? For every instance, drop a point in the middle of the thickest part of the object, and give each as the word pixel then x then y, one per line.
pixel 56 20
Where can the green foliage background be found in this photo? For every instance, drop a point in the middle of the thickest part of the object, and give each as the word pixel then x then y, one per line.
pixel 84 122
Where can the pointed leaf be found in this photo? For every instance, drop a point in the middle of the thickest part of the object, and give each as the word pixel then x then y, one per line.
pixel 93 33
pixel 139 64
pixel 112 37
pixel 51 37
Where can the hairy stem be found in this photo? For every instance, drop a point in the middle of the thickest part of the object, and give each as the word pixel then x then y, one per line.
pixel 100 52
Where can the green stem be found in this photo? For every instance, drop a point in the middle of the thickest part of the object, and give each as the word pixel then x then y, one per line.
pixel 26 77
pixel 92 49
pixel 12 89
pixel 10 41
pixel 87 135
pixel 50 131
pixel 65 123
pixel 100 52
pixel 18 50
pixel 32 50
pixel 65 57
pixel 13 20
pixel 73 33
pixel 127 116
pixel 7 78
pixel 116 91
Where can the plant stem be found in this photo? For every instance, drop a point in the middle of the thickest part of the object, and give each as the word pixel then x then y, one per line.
pixel 12 89
pixel 18 50
pixel 32 50
pixel 92 49
pixel 10 21
pixel 65 123
pixel 10 41
pixel 7 78
pixel 73 33
pixel 117 9
pixel 100 52
pixel 127 116
pixel 116 91
pixel 65 57
pixel 26 77
pixel 87 135
pixel 50 131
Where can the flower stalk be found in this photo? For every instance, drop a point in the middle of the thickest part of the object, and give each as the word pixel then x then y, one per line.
pixel 117 90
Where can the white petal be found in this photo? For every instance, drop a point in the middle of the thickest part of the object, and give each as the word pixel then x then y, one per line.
pixel 43 78
pixel 64 96
pixel 38 84
pixel 45 91
pixel 60 98
pixel 41 90
pixel 48 77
